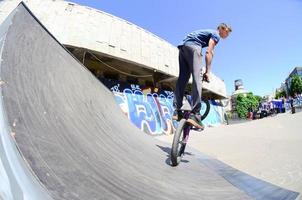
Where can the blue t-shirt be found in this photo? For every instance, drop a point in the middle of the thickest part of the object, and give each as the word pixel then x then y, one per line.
pixel 201 37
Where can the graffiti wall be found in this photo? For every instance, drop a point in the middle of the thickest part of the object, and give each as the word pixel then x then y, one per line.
pixel 215 116
pixel 152 112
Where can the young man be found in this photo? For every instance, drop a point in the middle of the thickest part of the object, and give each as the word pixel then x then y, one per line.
pixel 190 58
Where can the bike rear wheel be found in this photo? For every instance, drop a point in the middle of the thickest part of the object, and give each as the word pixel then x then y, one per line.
pixel 206 109
pixel 179 143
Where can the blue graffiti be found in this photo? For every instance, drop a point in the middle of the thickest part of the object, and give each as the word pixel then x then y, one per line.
pixel 215 115
pixel 140 111
pixel 153 112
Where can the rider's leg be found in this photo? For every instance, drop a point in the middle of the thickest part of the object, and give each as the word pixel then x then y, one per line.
pixel 194 61
pixel 183 79
pixel 196 84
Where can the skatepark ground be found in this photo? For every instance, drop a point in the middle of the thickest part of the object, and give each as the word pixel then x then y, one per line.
pixel 269 148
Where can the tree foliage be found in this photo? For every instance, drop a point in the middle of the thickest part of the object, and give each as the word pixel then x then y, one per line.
pixel 295 85
pixel 259 98
pixel 280 94
pixel 247 102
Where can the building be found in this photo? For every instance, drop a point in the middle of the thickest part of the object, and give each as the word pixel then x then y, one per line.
pixel 296 71
pixel 111 47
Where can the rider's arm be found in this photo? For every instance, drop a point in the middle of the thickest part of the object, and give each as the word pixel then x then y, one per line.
pixel 209 55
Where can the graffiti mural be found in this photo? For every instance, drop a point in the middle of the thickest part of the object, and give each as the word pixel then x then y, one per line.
pixel 215 115
pixel 152 112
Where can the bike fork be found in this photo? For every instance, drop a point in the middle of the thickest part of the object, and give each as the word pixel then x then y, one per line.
pixel 186 134
pixel 185 140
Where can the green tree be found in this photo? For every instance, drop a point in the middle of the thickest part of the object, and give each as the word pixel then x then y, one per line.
pixel 259 98
pixel 241 106
pixel 295 85
pixel 246 103
pixel 252 100
pixel 280 94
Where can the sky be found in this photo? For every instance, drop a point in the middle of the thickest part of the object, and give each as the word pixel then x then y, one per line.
pixel 264 47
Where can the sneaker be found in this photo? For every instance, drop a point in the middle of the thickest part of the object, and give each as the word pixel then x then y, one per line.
pixel 195 120
pixel 177 115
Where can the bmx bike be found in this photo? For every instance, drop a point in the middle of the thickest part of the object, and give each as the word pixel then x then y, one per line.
pixel 181 135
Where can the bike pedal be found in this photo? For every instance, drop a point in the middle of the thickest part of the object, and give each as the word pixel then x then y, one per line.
pixel 195 124
pixel 197 129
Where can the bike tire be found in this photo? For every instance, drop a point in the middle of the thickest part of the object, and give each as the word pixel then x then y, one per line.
pixel 207 110
pixel 177 146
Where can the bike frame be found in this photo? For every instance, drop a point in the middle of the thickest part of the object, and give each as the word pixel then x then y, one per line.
pixel 187 128
pixel 182 133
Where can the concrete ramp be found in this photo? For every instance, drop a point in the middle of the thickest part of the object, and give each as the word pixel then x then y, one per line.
pixel 64 137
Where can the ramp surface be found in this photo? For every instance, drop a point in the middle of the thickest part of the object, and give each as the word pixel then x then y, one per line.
pixel 73 137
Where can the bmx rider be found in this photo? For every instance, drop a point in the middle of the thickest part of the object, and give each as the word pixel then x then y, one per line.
pixel 190 59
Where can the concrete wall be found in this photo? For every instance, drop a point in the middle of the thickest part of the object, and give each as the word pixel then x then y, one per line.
pixel 152 112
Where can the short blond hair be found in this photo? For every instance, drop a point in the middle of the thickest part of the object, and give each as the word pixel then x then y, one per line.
pixel 225 26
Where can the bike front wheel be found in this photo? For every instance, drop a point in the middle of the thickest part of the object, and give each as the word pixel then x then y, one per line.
pixel 179 143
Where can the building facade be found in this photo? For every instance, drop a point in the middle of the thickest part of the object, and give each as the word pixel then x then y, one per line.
pixel 111 47
pixel 296 71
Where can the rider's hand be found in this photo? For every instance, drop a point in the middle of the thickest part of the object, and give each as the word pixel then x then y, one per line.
pixel 206 77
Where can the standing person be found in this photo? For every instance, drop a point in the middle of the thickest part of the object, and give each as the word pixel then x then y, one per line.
pixel 190 59
pixel 292 105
